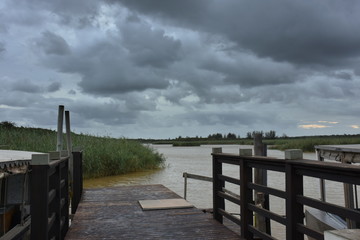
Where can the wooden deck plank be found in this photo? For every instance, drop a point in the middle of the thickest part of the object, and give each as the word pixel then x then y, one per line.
pixel 114 213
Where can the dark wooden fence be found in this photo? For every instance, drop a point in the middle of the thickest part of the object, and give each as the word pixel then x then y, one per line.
pixel 294 170
pixel 49 200
pixel 50 196
pixel 77 185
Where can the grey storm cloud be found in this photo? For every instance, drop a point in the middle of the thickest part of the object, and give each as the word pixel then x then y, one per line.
pixel 149 47
pixel 179 67
pixel 53 87
pixel 131 61
pixel 291 31
pixel 26 86
pixel 113 113
pixel 246 72
pixel 77 14
pixel 105 69
pixel 52 43
pixel 2 47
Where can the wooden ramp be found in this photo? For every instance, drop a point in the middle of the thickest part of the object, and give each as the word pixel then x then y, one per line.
pixel 115 213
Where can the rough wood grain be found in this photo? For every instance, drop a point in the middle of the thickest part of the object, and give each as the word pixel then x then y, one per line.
pixel 114 213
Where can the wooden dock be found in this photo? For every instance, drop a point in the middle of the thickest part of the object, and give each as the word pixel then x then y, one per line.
pixel 114 213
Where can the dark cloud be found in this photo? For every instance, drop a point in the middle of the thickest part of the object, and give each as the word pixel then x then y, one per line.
pixel 113 113
pixel 149 47
pixel 2 47
pixel 77 14
pixel 343 75
pixel 323 33
pixel 26 86
pixel 140 102
pixel 72 92
pixel 52 43
pixel 245 71
pixel 167 68
pixel 53 87
pixel 105 69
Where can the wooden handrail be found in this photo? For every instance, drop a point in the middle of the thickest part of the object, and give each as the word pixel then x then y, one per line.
pixel 49 199
pixel 294 171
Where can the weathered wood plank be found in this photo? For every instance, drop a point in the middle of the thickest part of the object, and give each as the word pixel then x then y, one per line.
pixel 114 213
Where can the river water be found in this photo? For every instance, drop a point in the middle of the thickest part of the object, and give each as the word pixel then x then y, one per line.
pixel 198 160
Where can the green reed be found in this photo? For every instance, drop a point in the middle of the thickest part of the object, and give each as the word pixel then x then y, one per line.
pixel 102 156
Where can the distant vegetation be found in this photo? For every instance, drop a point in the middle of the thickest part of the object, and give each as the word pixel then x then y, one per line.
pixel 306 143
pixel 103 156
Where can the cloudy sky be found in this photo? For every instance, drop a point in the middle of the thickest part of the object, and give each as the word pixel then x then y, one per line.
pixel 169 68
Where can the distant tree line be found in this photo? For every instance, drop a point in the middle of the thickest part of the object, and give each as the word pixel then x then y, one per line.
pixel 267 135
pixel 225 136
pixel 7 124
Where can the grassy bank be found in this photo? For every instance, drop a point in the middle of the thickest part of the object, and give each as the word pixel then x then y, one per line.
pixel 103 156
pixel 306 143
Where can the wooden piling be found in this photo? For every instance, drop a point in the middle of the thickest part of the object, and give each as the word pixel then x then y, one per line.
pixel 60 128
pixel 260 177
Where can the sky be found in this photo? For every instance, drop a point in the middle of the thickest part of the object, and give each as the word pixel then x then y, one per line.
pixel 167 68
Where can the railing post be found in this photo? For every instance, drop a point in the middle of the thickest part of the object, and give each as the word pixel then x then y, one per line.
pixel 245 199
pixel 39 197
pixel 218 185
pixel 294 187
pixel 60 128
pixel 260 177
pixel 185 184
pixel 64 196
pixel 77 181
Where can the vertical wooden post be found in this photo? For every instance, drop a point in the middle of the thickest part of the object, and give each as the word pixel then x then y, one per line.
pixel 294 210
pixel 69 149
pixel 39 197
pixel 64 199
pixel 322 181
pixel 349 199
pixel 60 128
pixel 77 181
pixel 185 184
pixel 260 177
pixel 54 205
pixel 245 199
pixel 218 202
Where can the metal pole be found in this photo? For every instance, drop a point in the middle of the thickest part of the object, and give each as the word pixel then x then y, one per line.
pixel 185 184
pixel 322 181
pixel 60 128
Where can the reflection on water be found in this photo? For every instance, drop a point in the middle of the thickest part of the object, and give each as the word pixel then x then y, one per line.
pixel 198 160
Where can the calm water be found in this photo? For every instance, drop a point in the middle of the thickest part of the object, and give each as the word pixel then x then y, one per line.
pixel 198 160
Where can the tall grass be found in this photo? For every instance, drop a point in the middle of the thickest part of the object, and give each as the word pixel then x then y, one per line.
pixel 103 156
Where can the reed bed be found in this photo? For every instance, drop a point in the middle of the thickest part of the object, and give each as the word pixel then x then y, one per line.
pixel 103 156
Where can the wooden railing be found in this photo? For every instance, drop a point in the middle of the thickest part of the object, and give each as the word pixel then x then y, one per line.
pixel 77 185
pixel 294 170
pixel 50 196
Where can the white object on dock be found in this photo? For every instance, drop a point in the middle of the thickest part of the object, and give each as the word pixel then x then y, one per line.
pixel 164 204
pixel 344 234
pixel 10 158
